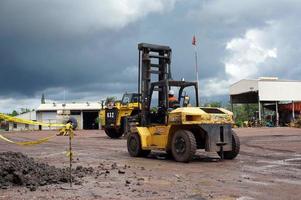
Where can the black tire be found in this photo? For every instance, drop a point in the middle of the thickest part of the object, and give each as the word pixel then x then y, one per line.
pixel 134 146
pixel 229 155
pixel 113 133
pixel 169 154
pixel 73 121
pixel 183 146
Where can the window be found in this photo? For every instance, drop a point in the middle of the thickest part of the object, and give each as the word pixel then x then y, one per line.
pixel 15 125
pixel 135 98
pixel 27 126
pixel 126 99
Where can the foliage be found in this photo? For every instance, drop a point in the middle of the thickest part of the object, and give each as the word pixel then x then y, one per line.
pixel 110 99
pixel 43 99
pixel 24 110
pixel 14 113
pixel 244 112
pixel 217 104
pixel 97 120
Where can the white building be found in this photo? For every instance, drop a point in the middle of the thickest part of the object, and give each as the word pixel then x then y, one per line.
pixel 86 114
pixel 266 91
pixel 21 127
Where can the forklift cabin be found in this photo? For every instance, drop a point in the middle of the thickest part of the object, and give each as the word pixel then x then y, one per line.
pixel 163 105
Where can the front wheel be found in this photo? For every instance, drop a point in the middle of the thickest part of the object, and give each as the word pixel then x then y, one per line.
pixel 229 155
pixel 113 133
pixel 134 146
pixel 183 146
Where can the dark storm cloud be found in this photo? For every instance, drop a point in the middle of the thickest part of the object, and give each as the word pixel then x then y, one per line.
pixel 90 48
pixel 29 64
pixel 46 44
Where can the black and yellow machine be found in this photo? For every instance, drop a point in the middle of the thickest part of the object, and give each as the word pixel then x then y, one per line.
pixel 114 114
pixel 179 128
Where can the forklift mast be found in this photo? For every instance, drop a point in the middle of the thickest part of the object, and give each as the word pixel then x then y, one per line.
pixel 154 65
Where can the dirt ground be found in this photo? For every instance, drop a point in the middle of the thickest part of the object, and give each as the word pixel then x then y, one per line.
pixel 268 167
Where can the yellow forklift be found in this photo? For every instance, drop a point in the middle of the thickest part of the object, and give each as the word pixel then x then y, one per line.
pixel 181 128
pixel 114 113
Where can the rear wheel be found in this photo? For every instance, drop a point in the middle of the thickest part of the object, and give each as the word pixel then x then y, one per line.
pixel 134 146
pixel 113 133
pixel 183 146
pixel 229 155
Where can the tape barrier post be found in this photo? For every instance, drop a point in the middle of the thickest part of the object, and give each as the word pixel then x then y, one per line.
pixel 69 131
pixel 70 157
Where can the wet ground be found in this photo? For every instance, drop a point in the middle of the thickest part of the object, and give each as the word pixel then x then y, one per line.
pixel 268 167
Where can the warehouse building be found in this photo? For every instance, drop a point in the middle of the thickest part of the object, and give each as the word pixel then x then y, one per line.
pixel 86 114
pixel 281 96
pixel 13 126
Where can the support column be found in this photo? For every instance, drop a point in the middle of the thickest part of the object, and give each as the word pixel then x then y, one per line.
pixel 263 114
pixel 259 110
pixel 81 120
pixel 232 107
pixel 293 110
pixel 277 114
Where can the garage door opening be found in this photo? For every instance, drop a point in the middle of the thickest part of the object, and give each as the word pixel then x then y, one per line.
pixel 90 120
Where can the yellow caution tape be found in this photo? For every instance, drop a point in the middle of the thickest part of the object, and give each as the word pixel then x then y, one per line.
pixel 27 143
pixel 24 121
pixel 67 130
pixel 69 154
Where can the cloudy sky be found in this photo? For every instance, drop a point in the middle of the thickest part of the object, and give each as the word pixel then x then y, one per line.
pixel 85 50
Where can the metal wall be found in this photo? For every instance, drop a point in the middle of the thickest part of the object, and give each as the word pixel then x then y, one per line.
pixel 279 90
pixel 47 117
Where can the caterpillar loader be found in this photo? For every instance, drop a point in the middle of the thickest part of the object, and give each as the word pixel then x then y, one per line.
pixel 114 113
pixel 180 129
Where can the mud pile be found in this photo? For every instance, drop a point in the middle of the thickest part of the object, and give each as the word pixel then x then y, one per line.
pixel 17 169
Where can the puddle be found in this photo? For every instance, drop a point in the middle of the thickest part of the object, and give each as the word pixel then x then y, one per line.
pixel 245 198
pixel 293 160
pixel 289 181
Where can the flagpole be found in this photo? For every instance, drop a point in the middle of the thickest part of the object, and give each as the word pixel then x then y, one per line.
pixel 196 61
pixel 196 65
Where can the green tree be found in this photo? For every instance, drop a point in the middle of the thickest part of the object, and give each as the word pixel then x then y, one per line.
pixel 24 110
pixel 14 113
pixel 110 99
pixel 43 99
pixel 213 104
pixel 244 112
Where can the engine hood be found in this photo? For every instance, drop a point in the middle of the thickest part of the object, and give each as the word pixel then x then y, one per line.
pixel 200 115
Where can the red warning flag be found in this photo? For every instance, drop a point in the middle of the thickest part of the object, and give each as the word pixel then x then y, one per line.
pixel 193 40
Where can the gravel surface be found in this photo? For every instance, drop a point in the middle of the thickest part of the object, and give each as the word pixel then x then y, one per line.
pixel 268 167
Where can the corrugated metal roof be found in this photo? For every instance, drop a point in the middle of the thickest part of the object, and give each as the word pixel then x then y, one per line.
pixel 69 106
pixel 29 115
pixel 269 89
pixel 265 79
pixel 244 86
